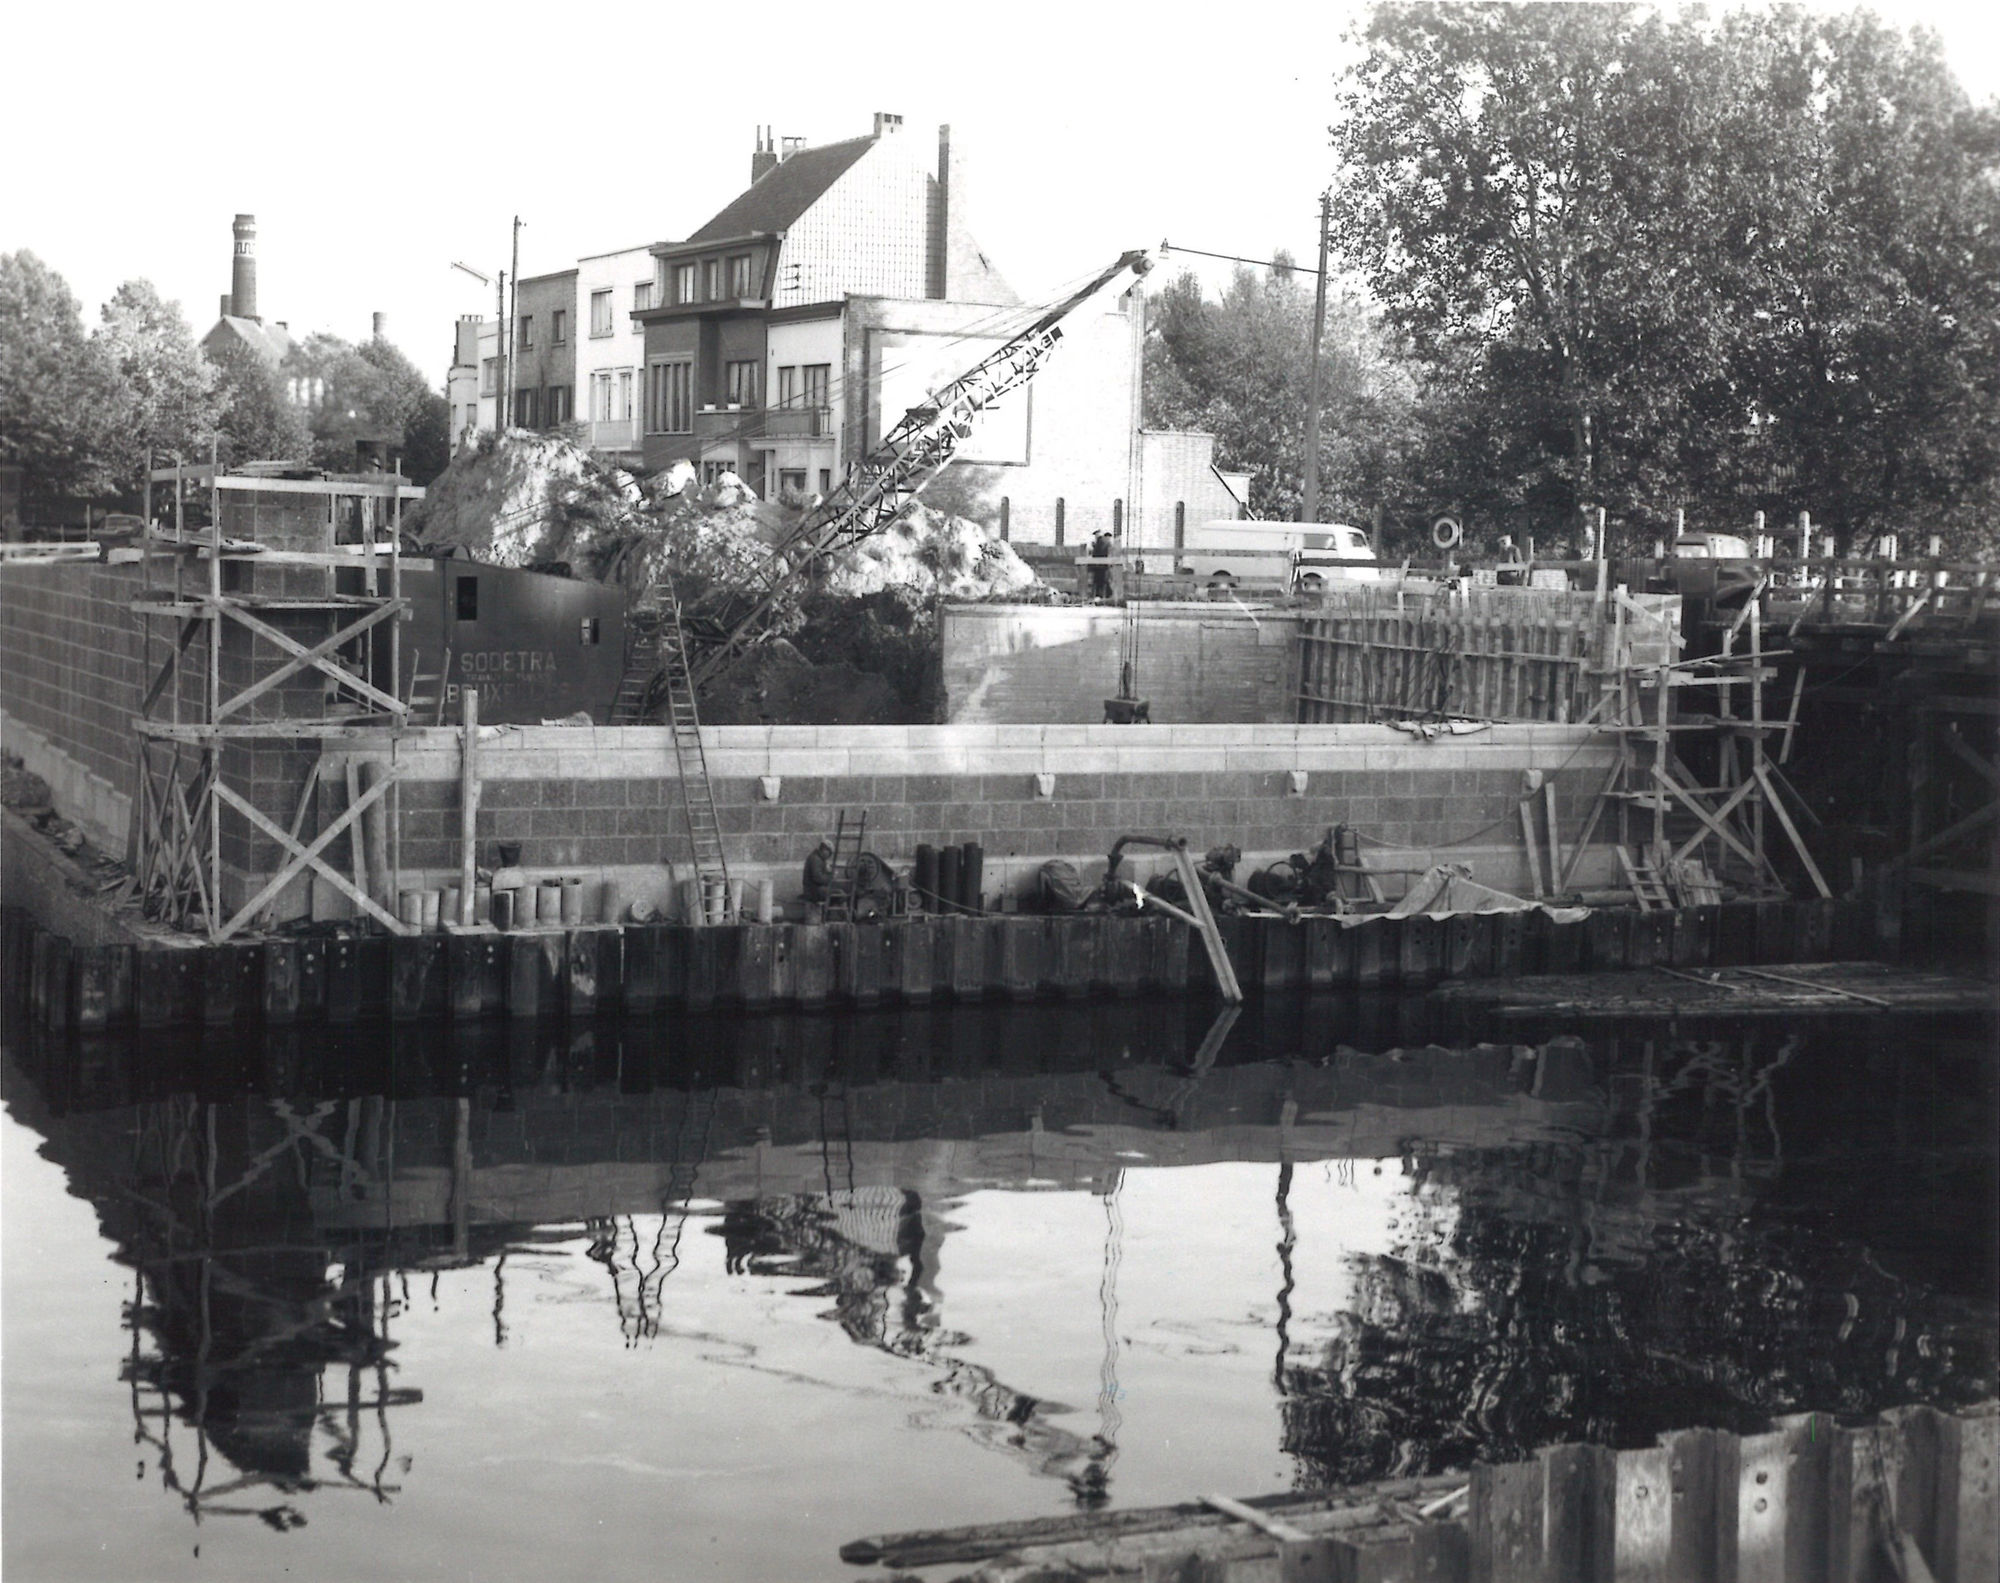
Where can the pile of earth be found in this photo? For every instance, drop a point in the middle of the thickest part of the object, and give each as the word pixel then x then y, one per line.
pixel 525 499
pixel 528 499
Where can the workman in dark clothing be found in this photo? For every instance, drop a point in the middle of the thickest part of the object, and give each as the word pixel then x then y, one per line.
pixel 819 872
pixel 1100 576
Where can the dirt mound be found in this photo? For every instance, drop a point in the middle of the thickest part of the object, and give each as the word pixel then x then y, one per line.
pixel 926 550
pixel 527 499
pixel 524 499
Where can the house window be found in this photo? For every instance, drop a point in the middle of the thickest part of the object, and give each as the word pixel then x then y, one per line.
pixel 600 312
pixel 788 389
pixel 642 299
pixel 739 275
pixel 819 379
pixel 562 404
pixel 559 326
pixel 525 339
pixel 711 472
pixel 468 598
pixel 527 408
pixel 711 279
pixel 489 377
pixel 826 480
pixel 683 283
pixel 670 399
pixel 600 398
pixel 792 479
pixel 622 412
pixel 742 383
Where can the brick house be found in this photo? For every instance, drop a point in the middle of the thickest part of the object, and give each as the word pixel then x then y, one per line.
pixel 827 297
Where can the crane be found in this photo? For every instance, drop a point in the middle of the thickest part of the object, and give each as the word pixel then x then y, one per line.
pixel 876 491
pixel 882 485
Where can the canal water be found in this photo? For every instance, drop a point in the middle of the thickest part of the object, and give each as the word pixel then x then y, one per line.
pixel 707 1298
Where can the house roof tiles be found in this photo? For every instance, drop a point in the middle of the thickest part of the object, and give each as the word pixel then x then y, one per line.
pixel 783 193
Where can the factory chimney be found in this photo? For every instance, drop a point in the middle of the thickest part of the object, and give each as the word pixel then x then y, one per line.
pixel 243 270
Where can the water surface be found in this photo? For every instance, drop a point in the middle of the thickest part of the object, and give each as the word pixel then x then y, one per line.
pixel 704 1299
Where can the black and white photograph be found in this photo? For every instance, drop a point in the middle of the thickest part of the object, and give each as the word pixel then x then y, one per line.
pixel 1027 794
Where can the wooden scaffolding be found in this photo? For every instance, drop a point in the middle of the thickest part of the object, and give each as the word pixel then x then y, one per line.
pixel 194 583
pixel 1681 830
pixel 1699 782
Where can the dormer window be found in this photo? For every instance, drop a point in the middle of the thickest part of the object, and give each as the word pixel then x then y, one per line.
pixel 739 275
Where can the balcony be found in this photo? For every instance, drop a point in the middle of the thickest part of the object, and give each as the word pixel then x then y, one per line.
pixel 722 425
pixel 798 423
pixel 621 434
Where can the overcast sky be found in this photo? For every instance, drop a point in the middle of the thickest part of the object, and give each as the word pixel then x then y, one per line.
pixel 376 142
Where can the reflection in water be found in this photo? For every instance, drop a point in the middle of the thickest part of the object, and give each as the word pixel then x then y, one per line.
pixel 1581 1242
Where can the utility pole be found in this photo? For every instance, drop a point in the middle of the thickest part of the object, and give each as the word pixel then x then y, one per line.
pixel 508 328
pixel 1309 510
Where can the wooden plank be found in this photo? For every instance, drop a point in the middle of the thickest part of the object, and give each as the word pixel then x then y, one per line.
pixel 1968 1511
pixel 1578 1518
pixel 1644 1517
pixel 1504 1523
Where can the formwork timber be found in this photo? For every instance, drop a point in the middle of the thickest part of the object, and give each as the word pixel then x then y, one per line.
pixel 1913 1494
pixel 464 974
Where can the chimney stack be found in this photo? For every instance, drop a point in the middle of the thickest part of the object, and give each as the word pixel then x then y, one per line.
pixel 766 156
pixel 886 123
pixel 381 326
pixel 243 269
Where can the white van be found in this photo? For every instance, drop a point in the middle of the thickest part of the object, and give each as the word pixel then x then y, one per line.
pixel 1224 551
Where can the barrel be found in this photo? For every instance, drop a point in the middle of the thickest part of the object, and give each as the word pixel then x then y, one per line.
pixel 950 861
pixel 972 876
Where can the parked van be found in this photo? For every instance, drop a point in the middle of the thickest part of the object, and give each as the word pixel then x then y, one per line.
pixel 1224 551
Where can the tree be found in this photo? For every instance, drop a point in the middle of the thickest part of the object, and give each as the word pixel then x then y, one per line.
pixel 1240 368
pixel 258 422
pixel 166 399
pixel 1669 261
pixel 370 392
pixel 56 386
pixel 1872 286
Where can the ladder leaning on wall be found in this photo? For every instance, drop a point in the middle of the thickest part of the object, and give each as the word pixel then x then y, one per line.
pixel 684 722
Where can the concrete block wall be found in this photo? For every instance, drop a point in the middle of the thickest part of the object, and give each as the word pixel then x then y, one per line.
pixel 71 678
pixel 604 801
pixel 1198 663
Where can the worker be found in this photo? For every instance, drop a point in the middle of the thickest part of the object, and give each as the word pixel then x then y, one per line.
pixel 1100 575
pixel 818 878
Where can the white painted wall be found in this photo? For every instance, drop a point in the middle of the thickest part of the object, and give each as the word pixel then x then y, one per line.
pixel 622 352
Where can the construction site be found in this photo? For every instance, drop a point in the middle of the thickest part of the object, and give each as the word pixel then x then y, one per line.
pixel 631 773
pixel 269 728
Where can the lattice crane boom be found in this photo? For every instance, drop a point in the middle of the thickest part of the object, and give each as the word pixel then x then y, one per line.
pixel 882 485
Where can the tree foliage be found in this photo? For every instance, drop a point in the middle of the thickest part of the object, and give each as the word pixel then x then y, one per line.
pixel 56 384
pixel 164 393
pixel 370 392
pixel 258 420
pixel 1241 368
pixel 1651 261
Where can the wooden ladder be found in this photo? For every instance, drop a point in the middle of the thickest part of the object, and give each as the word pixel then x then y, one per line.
pixel 1649 887
pixel 848 840
pixel 642 664
pixel 697 796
